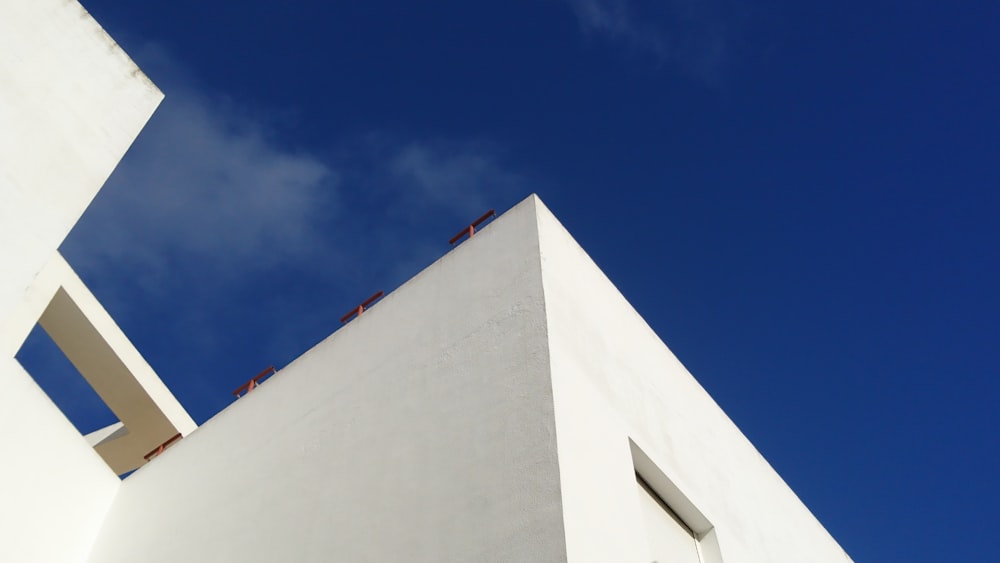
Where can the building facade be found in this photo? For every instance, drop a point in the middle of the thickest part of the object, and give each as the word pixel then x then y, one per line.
pixel 505 404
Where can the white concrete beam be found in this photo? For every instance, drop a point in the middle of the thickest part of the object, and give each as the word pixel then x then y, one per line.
pixel 88 336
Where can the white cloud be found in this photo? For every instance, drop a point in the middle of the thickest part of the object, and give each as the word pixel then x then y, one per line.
pixel 691 34
pixel 613 17
pixel 415 194
pixel 207 193
pixel 207 187
pixel 462 180
pixel 211 234
pixel 208 204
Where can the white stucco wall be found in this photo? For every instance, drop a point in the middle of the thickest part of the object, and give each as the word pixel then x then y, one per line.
pixel 71 102
pixel 614 380
pixel 422 431
pixel 55 489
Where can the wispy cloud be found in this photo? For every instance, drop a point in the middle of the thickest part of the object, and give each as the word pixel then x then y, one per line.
pixel 459 179
pixel 211 235
pixel 691 34
pixel 207 190
pixel 410 188
pixel 205 187
pixel 613 17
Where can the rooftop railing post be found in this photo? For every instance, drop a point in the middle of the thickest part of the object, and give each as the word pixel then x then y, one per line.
pixel 471 229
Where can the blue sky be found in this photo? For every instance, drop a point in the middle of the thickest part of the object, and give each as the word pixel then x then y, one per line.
pixel 800 198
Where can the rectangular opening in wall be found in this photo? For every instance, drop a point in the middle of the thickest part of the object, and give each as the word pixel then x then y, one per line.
pixel 60 380
pixel 87 366
pixel 670 539
pixel 676 530
pixel 67 388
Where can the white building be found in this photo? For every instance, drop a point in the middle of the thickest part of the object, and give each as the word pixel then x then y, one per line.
pixel 506 404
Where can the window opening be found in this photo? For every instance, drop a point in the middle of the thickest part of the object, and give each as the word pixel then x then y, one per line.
pixel 676 530
pixel 669 538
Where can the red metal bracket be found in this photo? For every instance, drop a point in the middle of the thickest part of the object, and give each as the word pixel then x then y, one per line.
pixel 471 229
pixel 361 308
pixel 253 383
pixel 159 449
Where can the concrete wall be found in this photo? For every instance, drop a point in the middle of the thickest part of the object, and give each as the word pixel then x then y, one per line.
pixel 614 382
pixel 71 102
pixel 421 431
pixel 497 407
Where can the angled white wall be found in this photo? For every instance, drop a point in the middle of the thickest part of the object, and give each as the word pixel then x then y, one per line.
pixel 624 403
pixel 421 431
